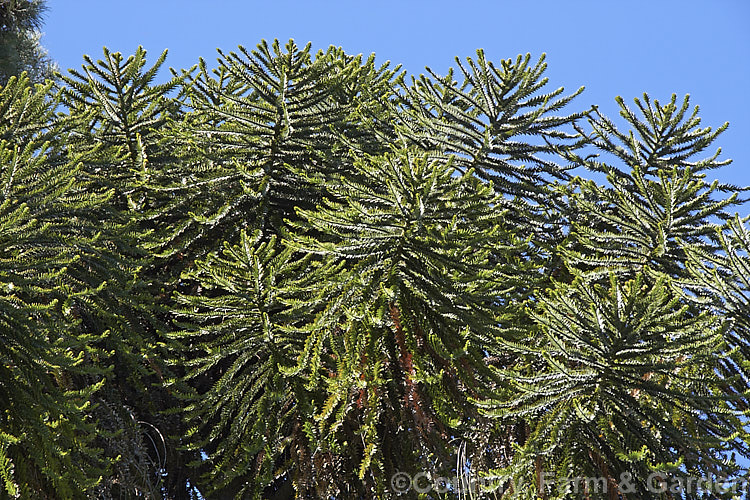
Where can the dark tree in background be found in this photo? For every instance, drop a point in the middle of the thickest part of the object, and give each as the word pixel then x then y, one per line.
pixel 20 22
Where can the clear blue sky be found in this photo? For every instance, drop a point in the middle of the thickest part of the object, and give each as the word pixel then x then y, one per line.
pixel 613 48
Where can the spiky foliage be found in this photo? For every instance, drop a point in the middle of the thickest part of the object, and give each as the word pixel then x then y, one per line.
pixel 402 340
pixel 45 429
pixel 347 276
pixel 247 322
pixel 622 382
pixel 411 323
pixel 501 122
pixel 722 281
pixel 487 120
pixel 115 115
pixel 113 103
pixel 260 133
pixel 262 128
pixel 20 50
pixel 658 201
pixel 579 384
pixel 396 243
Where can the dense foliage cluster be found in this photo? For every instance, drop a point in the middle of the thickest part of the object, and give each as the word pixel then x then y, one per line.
pixel 299 274
pixel 20 48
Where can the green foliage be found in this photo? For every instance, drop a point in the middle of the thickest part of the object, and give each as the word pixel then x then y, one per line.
pixel 487 119
pixel 658 202
pixel 114 118
pixel 20 51
pixel 298 274
pixel 113 103
pixel 246 323
pixel 721 281
pixel 626 380
pixel 45 426
pixel 411 320
pixel 261 130
pixel 500 123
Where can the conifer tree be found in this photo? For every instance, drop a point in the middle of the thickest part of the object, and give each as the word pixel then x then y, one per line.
pixel 261 131
pixel 719 281
pixel 114 116
pixel 630 238
pixel 411 325
pixel 622 382
pixel 502 122
pixel 299 274
pixel 657 202
pixel 20 50
pixel 47 435
pixel 247 323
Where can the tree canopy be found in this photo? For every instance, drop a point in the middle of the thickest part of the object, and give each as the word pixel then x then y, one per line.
pixel 302 274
